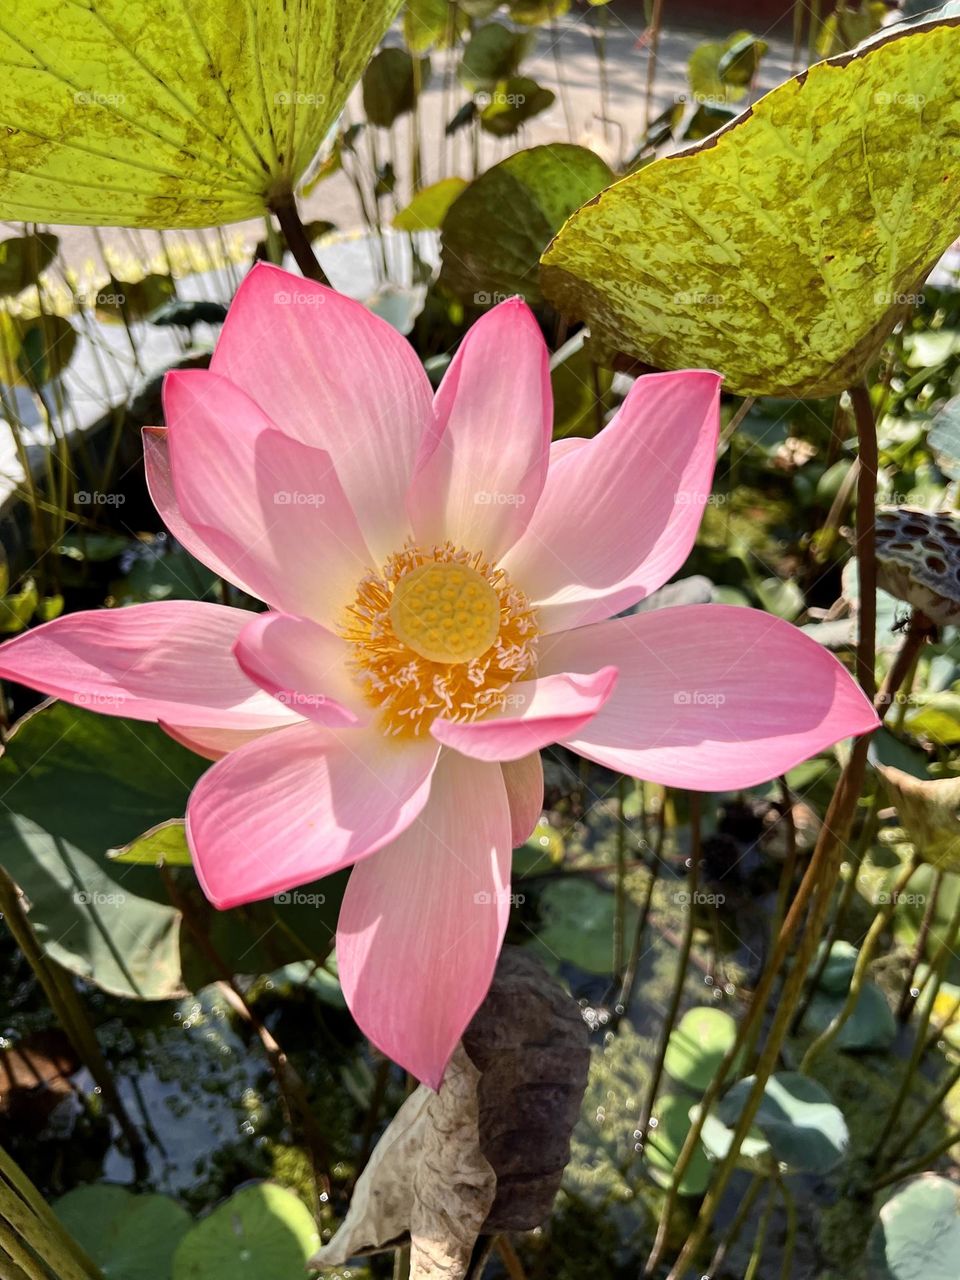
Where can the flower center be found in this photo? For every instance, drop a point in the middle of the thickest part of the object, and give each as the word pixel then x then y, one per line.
pixel 438 631
pixel 445 612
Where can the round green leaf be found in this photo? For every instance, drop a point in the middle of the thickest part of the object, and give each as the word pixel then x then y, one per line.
pixel 34 349
pixel 128 1235
pixel 577 923
pixel 697 1045
pixel 805 1132
pixel 783 250
pixel 156 113
pixel 263 1232
pixel 669 1126
pixel 495 231
pixel 917 1236
pixel 871 1025
pixel 389 87
pixel 22 258
pixel 838 970
pixel 493 53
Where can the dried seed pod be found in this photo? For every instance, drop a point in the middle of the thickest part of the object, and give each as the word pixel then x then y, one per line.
pixel 918 560
pixel 529 1042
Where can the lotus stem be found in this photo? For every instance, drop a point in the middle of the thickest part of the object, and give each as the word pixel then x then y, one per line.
pixel 298 242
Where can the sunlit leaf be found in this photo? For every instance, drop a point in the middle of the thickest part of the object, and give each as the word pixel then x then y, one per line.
pixel 494 53
pixel 163 845
pixel 126 1234
pixel 428 208
pixel 783 251
pixel 917 1236
pixel 512 103
pixel 262 1230
pixel 495 231
pixel 161 114
pixel 697 1046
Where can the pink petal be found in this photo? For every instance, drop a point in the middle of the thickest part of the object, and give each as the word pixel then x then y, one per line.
pixel 213 744
pixel 535 713
pixel 170 660
pixel 270 507
pixel 524 782
pixel 710 697
pixel 303 666
pixel 422 922
pixel 479 477
pixel 619 515
pixel 336 377
pixel 156 458
pixel 297 805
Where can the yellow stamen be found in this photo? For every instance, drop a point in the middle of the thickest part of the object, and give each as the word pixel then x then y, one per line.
pixel 438 631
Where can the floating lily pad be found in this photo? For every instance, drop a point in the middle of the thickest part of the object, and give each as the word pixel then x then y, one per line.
pixel 871 1025
pixel 917 1236
pixel 263 1232
pixel 577 924
pixel 783 250
pixel 495 231
pixel 670 1124
pixel 797 1125
pixel 160 114
pixel 697 1046
pixel 130 1236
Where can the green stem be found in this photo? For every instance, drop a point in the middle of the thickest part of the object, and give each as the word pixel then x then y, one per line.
pixel 880 922
pixel 680 974
pixel 298 242
pixel 753 1266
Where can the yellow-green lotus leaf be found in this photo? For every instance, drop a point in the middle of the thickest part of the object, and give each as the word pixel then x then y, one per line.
pixel 783 249
pixel 165 113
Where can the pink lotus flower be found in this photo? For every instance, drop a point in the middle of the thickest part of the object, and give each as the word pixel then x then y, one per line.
pixel 442 583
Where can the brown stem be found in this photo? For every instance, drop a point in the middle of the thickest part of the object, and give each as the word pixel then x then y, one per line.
pixel 298 242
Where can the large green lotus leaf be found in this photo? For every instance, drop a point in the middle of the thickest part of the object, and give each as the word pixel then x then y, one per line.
pixel 128 1235
pixel 495 231
pixel 157 113
pixel 917 1236
pixel 75 785
pixel 783 249
pixel 263 1232
pixel 669 1126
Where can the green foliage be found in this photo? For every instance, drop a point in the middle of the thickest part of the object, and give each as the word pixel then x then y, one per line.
pixel 675 264
pixel 697 1046
pixel 263 1230
pixel 917 1236
pixel 159 115
pixel 390 86
pixel 128 1235
pixel 496 229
